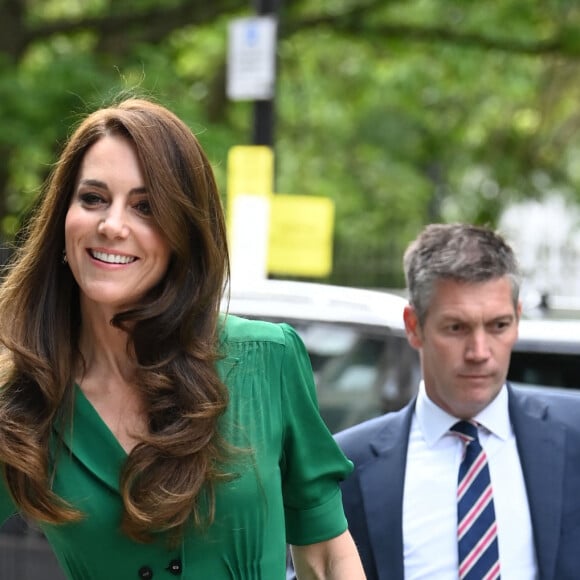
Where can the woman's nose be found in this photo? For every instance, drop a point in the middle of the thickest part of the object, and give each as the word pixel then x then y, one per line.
pixel 113 225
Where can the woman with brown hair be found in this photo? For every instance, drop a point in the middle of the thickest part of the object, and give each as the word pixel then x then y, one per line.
pixel 148 435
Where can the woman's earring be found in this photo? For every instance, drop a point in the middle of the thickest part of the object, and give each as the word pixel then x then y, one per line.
pixel 64 259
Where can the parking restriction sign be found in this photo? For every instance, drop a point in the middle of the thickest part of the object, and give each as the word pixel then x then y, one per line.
pixel 251 66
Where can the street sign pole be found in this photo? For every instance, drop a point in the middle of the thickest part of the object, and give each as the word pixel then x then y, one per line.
pixel 252 77
pixel 263 128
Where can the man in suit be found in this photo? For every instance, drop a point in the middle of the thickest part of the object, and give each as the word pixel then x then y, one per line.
pixel 404 499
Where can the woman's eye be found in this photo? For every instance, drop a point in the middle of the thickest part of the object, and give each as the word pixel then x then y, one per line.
pixel 90 199
pixel 143 207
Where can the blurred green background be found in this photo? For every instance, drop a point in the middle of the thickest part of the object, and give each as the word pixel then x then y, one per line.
pixel 402 112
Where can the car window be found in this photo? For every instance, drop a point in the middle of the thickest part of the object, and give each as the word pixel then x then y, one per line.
pixel 550 369
pixel 360 371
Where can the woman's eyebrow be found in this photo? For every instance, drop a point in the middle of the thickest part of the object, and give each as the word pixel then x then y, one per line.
pixel 102 185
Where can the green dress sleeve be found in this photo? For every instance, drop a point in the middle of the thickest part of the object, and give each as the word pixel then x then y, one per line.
pixel 312 463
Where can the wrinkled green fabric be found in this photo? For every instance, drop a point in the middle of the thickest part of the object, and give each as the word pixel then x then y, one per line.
pixel 286 490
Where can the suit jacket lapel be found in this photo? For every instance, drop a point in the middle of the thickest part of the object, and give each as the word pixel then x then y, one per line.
pixel 540 443
pixel 381 483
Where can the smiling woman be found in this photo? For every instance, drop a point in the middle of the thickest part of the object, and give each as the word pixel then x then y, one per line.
pixel 114 248
pixel 146 433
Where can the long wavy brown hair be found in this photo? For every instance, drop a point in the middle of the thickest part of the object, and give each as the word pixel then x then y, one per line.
pixel 169 478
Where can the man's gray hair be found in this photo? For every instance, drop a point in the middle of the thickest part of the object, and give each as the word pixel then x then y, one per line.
pixel 460 252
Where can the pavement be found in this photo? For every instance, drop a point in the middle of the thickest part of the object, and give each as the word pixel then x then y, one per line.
pixel 26 555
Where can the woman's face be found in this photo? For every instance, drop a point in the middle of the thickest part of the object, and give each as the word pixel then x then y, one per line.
pixel 114 248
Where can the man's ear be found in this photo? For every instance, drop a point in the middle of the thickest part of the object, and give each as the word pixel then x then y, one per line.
pixel 412 327
pixel 518 317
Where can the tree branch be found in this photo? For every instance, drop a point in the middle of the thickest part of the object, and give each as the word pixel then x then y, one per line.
pixel 118 31
pixel 359 27
pixel 150 25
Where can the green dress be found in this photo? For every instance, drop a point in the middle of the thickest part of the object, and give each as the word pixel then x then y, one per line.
pixel 286 490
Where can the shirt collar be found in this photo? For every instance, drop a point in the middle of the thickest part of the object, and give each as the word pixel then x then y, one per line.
pixel 434 422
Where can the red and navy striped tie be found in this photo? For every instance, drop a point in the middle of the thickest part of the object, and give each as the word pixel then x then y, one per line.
pixel 477 528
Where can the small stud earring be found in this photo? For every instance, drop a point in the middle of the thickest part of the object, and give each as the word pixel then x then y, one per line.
pixel 64 259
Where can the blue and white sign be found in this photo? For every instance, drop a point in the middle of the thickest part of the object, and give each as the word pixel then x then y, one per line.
pixel 251 67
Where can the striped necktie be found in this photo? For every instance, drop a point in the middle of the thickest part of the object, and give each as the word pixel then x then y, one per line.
pixel 477 528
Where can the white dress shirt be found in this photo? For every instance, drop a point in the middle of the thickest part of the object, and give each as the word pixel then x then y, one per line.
pixel 429 500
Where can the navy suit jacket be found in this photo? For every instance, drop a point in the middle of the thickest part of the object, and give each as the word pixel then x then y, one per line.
pixel 547 430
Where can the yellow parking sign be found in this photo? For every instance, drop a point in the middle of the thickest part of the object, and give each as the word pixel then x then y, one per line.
pixel 281 234
pixel 301 233
pixel 250 170
pixel 250 179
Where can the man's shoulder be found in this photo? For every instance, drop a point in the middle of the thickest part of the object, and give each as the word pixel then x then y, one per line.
pixel 359 439
pixel 560 405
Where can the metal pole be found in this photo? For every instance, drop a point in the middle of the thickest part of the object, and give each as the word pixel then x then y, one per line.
pixel 263 130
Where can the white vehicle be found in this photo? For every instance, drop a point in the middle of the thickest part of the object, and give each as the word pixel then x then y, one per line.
pixel 363 364
pixel 547 353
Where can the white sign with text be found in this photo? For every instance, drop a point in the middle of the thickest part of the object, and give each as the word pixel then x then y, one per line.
pixel 251 66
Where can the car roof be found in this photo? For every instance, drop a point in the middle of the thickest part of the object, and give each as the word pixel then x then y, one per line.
pixel 549 335
pixel 294 300
pixel 291 300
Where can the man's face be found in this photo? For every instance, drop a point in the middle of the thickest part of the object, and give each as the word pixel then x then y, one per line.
pixel 465 343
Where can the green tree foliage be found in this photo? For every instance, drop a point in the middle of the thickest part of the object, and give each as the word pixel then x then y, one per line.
pixel 403 112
